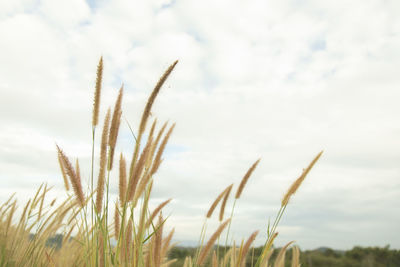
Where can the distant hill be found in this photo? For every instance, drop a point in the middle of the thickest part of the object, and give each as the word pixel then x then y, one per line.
pixel 327 249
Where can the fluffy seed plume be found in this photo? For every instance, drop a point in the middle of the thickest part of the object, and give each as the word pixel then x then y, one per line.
pixel 122 179
pixel 137 172
pixel 74 178
pixel 157 140
pixel 265 260
pixel 129 233
pixel 156 211
pixel 153 96
pixel 204 252
pixel 157 160
pixel 166 243
pixel 66 184
pixel 214 260
pixel 142 186
pixel 97 93
pixel 158 242
pixel 153 127
pixel 246 248
pixel 245 179
pixel 147 112
pixel 280 259
pixel 295 256
pixel 103 161
pixel 10 215
pixel 188 262
pixel 78 171
pixel 114 129
pixel 151 151
pixel 116 221
pixel 101 248
pixel 216 201
pixel 224 201
pixel 296 184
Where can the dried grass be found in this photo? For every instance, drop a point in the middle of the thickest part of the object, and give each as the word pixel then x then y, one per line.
pixel 85 223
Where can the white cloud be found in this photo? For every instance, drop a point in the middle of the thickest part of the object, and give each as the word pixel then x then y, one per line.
pixel 64 14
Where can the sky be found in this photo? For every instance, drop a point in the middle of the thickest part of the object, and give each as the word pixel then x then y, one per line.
pixel 276 80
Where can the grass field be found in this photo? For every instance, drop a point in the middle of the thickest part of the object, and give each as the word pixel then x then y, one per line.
pixel 131 235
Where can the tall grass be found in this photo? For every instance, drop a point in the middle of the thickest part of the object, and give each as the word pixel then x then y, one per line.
pixel 133 235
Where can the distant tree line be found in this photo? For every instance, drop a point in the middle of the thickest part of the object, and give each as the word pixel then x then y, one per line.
pixel 322 257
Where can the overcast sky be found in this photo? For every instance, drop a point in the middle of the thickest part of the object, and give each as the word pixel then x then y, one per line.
pixel 276 80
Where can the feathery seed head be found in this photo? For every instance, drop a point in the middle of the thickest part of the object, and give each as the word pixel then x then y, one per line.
pixel 103 162
pixel 74 178
pixel 153 96
pixel 157 160
pixel 280 259
pixel 216 201
pixel 295 256
pixel 155 212
pixel 137 172
pixel 296 184
pixel 97 93
pixel 246 248
pixel 204 252
pixel 153 126
pixel 114 129
pixel 224 201
pixel 122 180
pixel 245 179
pixel 66 184
pixel 158 241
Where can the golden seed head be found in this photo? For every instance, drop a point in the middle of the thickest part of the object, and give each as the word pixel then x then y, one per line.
pixel 296 184
pixel 103 162
pixel 122 179
pixel 97 93
pixel 156 211
pixel 216 201
pixel 158 241
pixel 245 179
pixel 114 129
pixel 66 184
pixel 137 172
pixel 157 159
pixel 224 201
pixel 246 247
pixel 204 252
pixel 73 176
pixel 153 96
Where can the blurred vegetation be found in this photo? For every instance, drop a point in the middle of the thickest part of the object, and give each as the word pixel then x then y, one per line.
pixel 321 257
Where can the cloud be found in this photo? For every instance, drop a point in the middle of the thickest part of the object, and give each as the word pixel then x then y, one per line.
pixel 280 80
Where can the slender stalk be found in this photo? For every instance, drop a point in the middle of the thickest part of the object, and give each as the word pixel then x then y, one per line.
pixel 121 231
pixel 107 200
pixel 229 225
pixel 271 233
pixel 91 181
pixel 201 239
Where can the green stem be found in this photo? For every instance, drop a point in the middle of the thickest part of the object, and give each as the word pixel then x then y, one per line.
pixel 121 231
pixel 91 183
pixel 273 230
